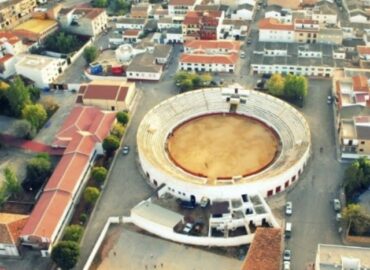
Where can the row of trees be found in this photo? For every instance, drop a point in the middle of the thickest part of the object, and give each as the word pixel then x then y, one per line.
pixel 291 87
pixel 111 143
pixel 357 178
pixel 189 80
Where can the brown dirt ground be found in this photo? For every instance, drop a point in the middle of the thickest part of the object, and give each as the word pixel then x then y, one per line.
pixel 223 145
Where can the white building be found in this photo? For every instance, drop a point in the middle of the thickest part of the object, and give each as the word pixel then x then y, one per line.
pixel 144 67
pixel 42 70
pixel 279 13
pixel 212 46
pixel 208 62
pixel 233 29
pixel 325 13
pixel 10 46
pixel 272 30
pixel 179 8
pixel 131 23
pixel 358 16
pixel 243 12
pixel 173 35
pixel 342 257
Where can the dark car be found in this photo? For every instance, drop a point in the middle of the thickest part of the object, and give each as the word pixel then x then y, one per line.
pixel 125 150
pixel 187 204
pixel 266 76
pixel 260 85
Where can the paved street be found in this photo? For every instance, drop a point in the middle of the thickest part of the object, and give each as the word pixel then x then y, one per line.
pixel 313 216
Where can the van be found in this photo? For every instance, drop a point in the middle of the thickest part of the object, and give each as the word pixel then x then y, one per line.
pixel 288 229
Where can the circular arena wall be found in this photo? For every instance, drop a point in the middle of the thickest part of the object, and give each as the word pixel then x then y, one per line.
pixel 160 122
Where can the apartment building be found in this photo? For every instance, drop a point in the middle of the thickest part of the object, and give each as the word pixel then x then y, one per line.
pixel 83 21
pixel 202 25
pixel 319 60
pixel 179 8
pixel 353 116
pixel 10 46
pixel 233 29
pixel 300 31
pixel 243 12
pixel 42 70
pixel 15 11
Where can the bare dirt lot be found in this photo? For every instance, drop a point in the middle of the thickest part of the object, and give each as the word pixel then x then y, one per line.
pixel 223 145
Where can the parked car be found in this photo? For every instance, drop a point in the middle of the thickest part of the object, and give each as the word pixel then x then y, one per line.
pixel 288 229
pixel 329 100
pixel 287 255
pixel 338 217
pixel 188 227
pixel 242 55
pixel 249 41
pixel 125 150
pixel 286 265
pixel 261 85
pixel 289 208
pixel 337 205
pixel 266 76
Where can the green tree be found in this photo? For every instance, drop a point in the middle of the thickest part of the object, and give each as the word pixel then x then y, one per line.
pixel 49 105
pixel 11 182
pixel 38 169
pixel 90 54
pixel 206 79
pixel 99 174
pixel 275 85
pixel 358 218
pixel 186 85
pixel 73 233
pixel 100 3
pixel 24 129
pixel 181 76
pixel 118 130
pixel 122 117
pixel 65 254
pixel 18 96
pixel 34 93
pixel 110 144
pixel 91 195
pixel 35 114
pixel 62 42
pixel 295 87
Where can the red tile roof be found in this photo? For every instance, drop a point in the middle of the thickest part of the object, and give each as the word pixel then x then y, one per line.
pixel 360 84
pixel 265 250
pixel 363 49
pixel 67 175
pixel 11 226
pixel 362 119
pixel 131 32
pixel 105 91
pixel 5 58
pixel 6 36
pixel 48 213
pixel 230 59
pixel 306 21
pixel 84 118
pixel 213 44
pixel 271 23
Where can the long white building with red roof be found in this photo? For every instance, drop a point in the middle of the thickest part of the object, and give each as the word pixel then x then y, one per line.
pixel 81 135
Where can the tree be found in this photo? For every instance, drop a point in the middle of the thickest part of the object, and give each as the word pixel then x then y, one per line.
pixel 38 169
pixel 181 76
pixel 186 85
pixel 65 254
pixel 34 93
pixel 118 130
pixel 358 218
pixel 122 117
pixel 99 174
pixel 35 114
pixel 62 42
pixel 275 85
pixel 24 129
pixel 49 105
pixel 206 79
pixel 11 182
pixel 100 3
pixel 73 233
pixel 110 144
pixel 295 87
pixel 90 54
pixel 91 195
pixel 18 97
pixel 122 5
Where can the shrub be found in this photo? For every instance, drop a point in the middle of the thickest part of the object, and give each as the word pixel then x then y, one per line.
pixel 118 130
pixel 83 218
pixel 91 195
pixel 73 233
pixel 99 174
pixel 90 54
pixel 65 254
pixel 24 129
pixel 35 114
pixel 122 117
pixel 110 144
pixel 38 169
pixel 49 105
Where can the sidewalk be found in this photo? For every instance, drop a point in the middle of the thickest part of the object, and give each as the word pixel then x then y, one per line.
pixel 33 146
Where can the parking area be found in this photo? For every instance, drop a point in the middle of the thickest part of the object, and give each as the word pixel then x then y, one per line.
pixel 129 250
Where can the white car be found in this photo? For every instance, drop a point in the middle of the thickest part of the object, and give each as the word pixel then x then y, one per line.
pixel 286 265
pixel 287 255
pixel 289 208
pixel 337 205
pixel 188 227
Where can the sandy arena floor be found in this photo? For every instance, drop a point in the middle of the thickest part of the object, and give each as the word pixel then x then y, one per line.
pixel 223 146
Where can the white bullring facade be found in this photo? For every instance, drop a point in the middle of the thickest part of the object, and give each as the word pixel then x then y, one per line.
pixel 286 121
